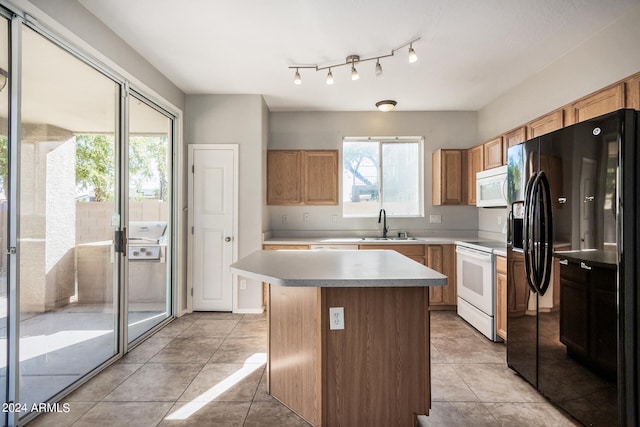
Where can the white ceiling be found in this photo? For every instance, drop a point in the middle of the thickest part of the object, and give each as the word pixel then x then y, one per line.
pixel 470 51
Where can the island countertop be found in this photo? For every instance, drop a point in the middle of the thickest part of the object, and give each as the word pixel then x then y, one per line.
pixel 348 268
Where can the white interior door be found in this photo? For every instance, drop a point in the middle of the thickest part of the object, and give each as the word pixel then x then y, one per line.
pixel 214 210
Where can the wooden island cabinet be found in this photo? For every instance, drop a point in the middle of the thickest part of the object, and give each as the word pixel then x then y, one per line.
pixel 347 346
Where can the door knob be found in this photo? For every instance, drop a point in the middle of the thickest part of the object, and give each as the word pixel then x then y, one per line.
pixel 227 239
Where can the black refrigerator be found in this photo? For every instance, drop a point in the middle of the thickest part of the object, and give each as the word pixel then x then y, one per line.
pixel 572 257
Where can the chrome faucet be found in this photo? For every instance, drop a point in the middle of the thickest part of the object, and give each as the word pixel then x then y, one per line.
pixel 385 229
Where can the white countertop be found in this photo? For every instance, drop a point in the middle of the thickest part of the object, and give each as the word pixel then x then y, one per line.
pixel 349 268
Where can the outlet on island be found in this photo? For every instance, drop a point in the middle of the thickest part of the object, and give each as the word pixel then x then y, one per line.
pixel 336 317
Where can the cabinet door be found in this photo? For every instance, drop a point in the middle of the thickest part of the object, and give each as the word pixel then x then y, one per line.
pixel 442 258
pixel 492 153
pixel 284 177
pixel 512 138
pixel 545 124
pixel 475 163
pixel 447 173
pixel 320 177
pixel 601 102
pixel 501 297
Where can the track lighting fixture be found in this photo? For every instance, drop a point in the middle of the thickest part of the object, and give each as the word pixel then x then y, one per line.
pixel 353 60
pixel 386 105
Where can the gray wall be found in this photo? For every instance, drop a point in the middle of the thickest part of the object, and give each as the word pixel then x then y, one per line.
pixel 237 119
pixel 607 57
pixel 325 130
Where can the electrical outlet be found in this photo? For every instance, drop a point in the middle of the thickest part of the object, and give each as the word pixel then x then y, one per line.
pixel 243 284
pixel 305 217
pixel 499 219
pixel 336 317
pixel 285 219
pixel 435 219
pixel 334 218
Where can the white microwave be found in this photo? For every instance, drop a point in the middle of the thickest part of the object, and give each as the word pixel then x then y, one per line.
pixel 491 187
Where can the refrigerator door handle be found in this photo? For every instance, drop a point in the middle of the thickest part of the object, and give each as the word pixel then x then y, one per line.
pixel 546 233
pixel 528 232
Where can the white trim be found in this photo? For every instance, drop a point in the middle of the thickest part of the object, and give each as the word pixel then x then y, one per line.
pixel 236 180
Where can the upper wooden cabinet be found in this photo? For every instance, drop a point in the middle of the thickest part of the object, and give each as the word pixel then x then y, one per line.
pixel 448 171
pixel 632 92
pixel 320 177
pixel 475 164
pixel 284 177
pixel 302 177
pixel 599 103
pixel 511 138
pixel 492 154
pixel 545 124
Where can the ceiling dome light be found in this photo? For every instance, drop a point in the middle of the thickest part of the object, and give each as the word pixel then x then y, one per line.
pixel 297 79
pixel 378 68
pixel 386 105
pixel 330 77
pixel 412 54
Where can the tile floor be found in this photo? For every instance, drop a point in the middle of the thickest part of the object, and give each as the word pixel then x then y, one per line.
pixel 207 369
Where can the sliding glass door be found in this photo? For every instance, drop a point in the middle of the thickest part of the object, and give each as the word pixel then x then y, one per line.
pixel 86 167
pixel 149 217
pixel 69 306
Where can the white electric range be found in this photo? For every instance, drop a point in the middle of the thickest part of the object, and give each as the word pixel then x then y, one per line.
pixel 476 283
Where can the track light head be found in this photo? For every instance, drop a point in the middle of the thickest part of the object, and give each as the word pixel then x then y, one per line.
pixel 296 78
pixel 354 73
pixel 378 68
pixel 330 77
pixel 412 54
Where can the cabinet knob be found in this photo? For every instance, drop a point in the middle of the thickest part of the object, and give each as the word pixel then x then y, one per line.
pixel 227 239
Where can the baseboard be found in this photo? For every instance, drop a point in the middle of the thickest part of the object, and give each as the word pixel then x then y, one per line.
pixel 249 311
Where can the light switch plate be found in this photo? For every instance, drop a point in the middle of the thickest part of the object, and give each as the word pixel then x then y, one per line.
pixel 336 317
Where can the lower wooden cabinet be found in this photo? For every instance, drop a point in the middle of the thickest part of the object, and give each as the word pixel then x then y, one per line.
pixel 501 297
pixel 442 258
pixel 415 252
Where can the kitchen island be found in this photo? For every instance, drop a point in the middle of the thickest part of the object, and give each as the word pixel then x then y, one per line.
pixel 367 361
